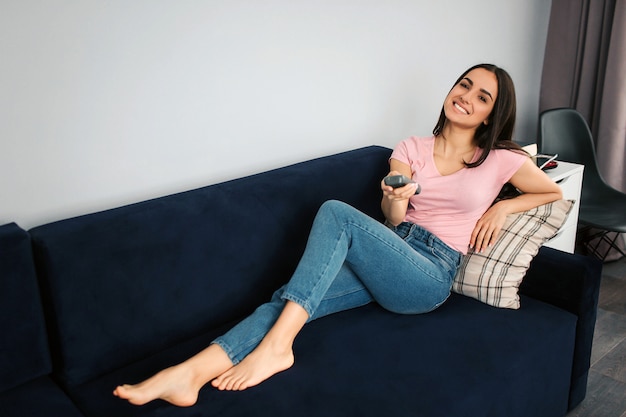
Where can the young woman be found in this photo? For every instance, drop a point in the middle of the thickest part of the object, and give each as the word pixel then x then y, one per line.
pixel 460 169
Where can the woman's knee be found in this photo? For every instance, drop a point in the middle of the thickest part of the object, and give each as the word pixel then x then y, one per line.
pixel 338 210
pixel 332 206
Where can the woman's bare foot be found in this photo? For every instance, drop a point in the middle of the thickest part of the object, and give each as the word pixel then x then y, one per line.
pixel 180 384
pixel 174 385
pixel 273 355
pixel 262 363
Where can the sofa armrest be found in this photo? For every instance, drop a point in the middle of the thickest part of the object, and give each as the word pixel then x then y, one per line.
pixel 24 353
pixel 570 282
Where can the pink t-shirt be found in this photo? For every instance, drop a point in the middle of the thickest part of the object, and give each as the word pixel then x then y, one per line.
pixel 450 205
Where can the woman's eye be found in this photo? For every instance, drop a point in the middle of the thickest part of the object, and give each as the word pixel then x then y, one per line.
pixel 464 85
pixel 483 99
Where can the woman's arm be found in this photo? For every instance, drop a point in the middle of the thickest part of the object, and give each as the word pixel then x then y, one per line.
pixel 537 189
pixel 395 201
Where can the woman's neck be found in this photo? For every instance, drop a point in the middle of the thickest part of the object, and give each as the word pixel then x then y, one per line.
pixel 455 142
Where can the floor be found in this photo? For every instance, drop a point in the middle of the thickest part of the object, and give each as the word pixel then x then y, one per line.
pixel 606 389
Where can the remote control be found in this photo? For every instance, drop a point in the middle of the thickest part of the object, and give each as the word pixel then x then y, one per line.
pixel 397 181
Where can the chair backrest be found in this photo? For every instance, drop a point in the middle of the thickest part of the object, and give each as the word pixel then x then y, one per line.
pixel 565 132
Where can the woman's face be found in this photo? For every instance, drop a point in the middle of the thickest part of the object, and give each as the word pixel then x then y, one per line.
pixel 471 101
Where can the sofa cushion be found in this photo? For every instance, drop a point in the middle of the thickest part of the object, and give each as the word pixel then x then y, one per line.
pixel 129 282
pixel 40 397
pixel 24 353
pixel 486 362
pixel 494 275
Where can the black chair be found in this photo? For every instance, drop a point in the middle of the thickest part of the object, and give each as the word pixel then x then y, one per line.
pixel 603 208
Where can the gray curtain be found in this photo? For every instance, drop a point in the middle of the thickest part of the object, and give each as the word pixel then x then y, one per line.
pixel 585 68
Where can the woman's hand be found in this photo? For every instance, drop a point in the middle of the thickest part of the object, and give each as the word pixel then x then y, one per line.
pixel 400 193
pixel 488 228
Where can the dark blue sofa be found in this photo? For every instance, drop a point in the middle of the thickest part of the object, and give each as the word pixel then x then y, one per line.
pixel 129 291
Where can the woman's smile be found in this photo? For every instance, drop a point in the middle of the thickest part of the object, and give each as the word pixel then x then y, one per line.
pixel 460 108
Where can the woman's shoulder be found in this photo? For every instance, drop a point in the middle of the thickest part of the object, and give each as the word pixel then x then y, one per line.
pixel 418 142
pixel 507 160
pixel 506 154
pixel 414 146
pixel 413 149
pixel 420 139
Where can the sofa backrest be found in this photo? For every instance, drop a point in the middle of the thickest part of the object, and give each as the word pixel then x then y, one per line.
pixel 24 353
pixel 128 282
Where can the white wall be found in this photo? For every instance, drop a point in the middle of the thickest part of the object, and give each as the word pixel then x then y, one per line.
pixel 104 103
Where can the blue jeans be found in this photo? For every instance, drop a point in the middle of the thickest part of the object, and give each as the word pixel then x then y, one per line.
pixel 351 260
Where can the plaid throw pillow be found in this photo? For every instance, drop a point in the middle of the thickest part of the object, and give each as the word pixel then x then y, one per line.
pixel 495 275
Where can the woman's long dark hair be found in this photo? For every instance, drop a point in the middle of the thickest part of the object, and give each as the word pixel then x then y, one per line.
pixel 498 132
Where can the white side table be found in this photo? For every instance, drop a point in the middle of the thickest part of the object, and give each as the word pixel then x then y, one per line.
pixel 570 177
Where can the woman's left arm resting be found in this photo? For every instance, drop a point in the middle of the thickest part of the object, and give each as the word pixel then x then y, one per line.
pixel 537 189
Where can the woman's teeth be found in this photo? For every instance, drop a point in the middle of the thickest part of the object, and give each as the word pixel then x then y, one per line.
pixel 460 108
